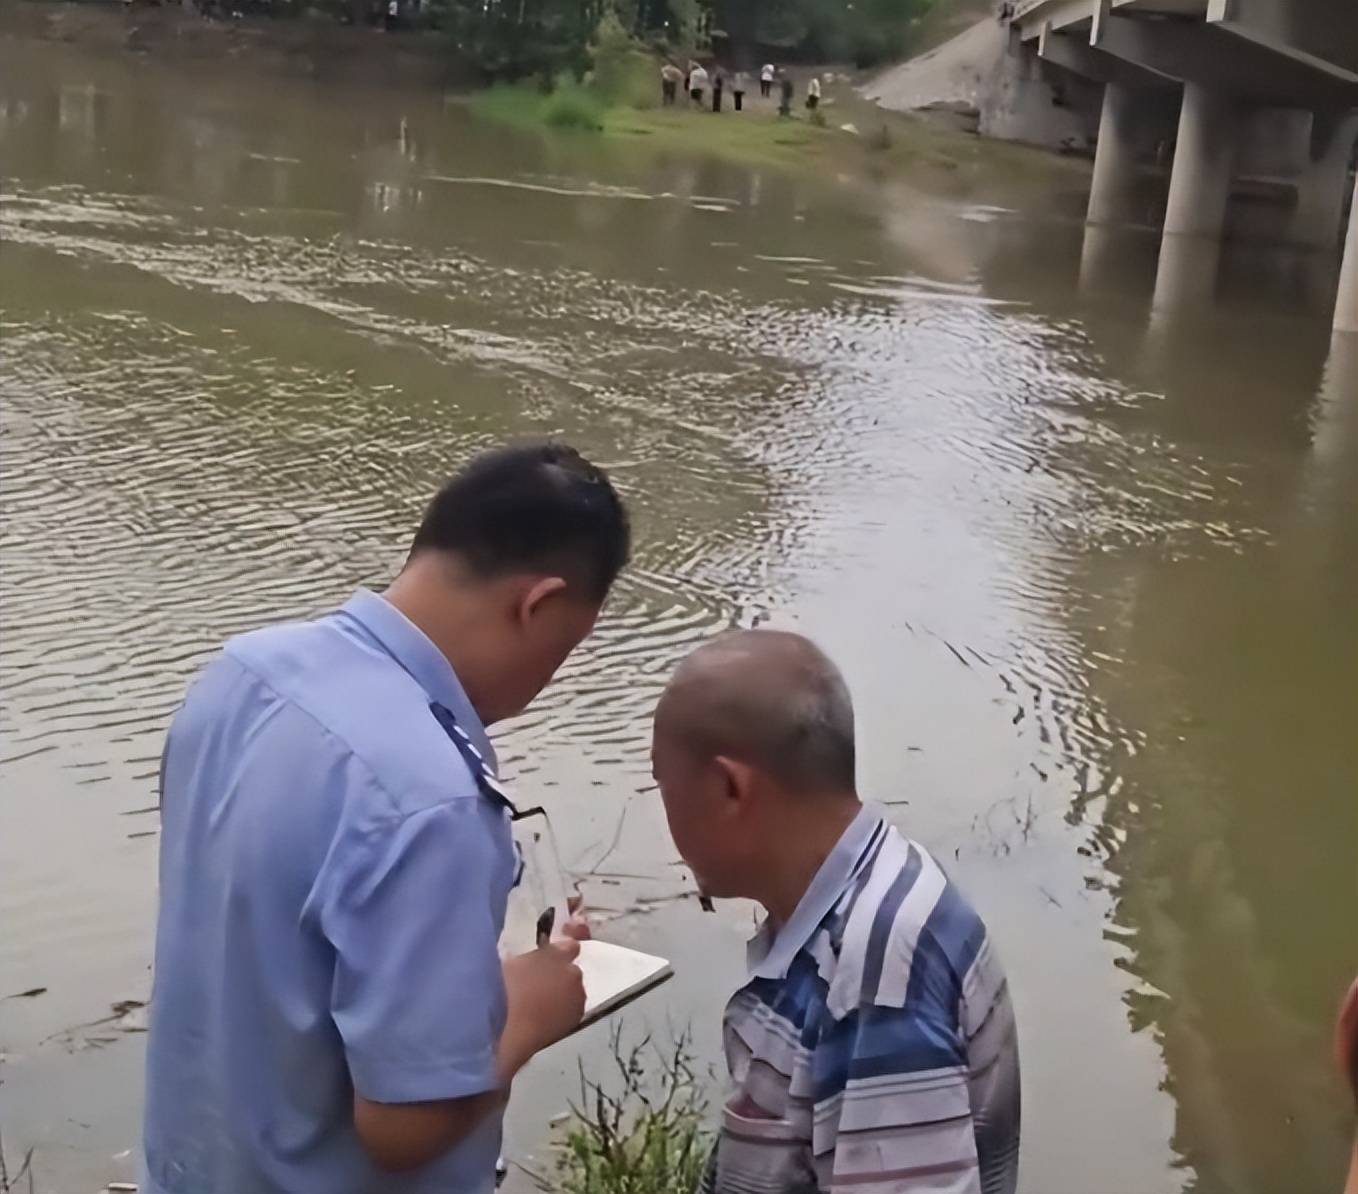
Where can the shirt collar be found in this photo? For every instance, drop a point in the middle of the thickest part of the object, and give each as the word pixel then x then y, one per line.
pixel 770 954
pixel 409 646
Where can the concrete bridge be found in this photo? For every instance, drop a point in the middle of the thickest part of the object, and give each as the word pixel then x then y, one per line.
pixel 1222 118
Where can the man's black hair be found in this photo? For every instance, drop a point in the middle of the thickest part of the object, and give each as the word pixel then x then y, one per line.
pixel 532 508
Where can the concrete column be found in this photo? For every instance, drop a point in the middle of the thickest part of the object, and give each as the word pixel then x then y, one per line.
pixel 1098 252
pixel 1334 426
pixel 1203 157
pixel 1185 279
pixel 1112 194
pixel 1323 181
pixel 1346 302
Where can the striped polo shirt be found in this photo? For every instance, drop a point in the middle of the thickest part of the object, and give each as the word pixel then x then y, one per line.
pixel 873 1048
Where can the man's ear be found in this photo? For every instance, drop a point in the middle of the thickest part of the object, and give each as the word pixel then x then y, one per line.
pixel 532 598
pixel 738 779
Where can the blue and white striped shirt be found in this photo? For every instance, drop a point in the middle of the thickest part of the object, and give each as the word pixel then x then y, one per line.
pixel 873 1048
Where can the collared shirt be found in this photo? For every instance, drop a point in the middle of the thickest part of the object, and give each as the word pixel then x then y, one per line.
pixel 873 1048
pixel 332 888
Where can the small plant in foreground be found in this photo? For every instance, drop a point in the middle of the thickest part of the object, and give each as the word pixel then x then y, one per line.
pixel 646 1136
pixel 9 1182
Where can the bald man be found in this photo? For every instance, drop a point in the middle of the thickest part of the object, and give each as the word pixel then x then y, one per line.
pixel 872 1048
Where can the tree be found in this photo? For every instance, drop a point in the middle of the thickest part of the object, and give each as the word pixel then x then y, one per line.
pixel 509 39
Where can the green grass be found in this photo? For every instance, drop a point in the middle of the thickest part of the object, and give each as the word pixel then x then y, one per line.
pixel 886 144
pixel 645 1133
pixel 573 108
pixel 753 136
pixel 569 106
pixel 756 137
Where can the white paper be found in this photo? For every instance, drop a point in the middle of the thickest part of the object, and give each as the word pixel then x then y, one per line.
pixel 615 975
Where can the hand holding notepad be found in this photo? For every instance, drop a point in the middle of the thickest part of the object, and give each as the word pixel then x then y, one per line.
pixel 615 975
pixel 541 907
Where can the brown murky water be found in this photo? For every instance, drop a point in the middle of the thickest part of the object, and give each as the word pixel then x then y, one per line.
pixel 1085 545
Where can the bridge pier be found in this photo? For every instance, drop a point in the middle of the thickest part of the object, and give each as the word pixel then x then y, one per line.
pixel 1346 302
pixel 1200 180
pixel 1112 192
pixel 1322 182
pixel 1185 277
pixel 1266 123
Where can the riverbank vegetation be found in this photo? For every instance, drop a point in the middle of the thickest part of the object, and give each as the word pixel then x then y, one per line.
pixel 644 1133
pixel 12 1181
pixel 511 39
pixel 613 88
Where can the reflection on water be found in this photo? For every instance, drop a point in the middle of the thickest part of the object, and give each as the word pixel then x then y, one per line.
pixel 1078 525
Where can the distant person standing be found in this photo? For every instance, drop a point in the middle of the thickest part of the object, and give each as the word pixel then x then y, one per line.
pixel 670 78
pixel 785 85
pixel 718 82
pixel 739 85
pixel 766 80
pixel 393 14
pixel 813 93
pixel 697 83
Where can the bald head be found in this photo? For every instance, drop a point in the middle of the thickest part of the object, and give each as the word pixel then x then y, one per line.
pixel 769 699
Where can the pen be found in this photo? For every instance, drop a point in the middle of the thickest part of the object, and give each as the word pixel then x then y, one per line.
pixel 546 921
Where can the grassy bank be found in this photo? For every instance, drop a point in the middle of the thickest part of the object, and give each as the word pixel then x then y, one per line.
pixel 856 139
pixel 751 136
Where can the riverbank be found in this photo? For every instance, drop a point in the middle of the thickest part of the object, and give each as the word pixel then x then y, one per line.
pixel 854 141
pixel 858 140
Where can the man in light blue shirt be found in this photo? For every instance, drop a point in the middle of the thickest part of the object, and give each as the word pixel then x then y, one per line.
pixel 330 1014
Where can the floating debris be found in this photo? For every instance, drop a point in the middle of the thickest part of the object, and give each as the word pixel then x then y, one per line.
pixel 127 1015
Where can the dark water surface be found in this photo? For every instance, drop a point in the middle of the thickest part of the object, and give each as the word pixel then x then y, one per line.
pixel 1085 545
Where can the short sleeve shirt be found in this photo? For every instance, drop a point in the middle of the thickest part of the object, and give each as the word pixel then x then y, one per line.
pixel 873 1049
pixel 333 885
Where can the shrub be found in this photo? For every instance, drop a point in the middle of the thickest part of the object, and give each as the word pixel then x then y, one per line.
pixel 624 73
pixel 573 107
pixel 645 1137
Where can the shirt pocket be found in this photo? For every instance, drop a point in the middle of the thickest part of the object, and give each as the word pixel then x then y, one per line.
pixel 756 1151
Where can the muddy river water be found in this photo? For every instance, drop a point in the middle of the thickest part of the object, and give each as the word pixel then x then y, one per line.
pixel 1086 549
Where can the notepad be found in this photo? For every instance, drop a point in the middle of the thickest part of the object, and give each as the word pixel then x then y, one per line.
pixel 615 975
